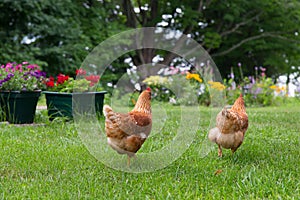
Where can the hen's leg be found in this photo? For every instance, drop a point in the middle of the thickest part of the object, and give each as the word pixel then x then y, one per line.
pixel 128 160
pixel 232 151
pixel 219 151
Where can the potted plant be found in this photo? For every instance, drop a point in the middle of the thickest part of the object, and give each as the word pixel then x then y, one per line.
pixel 66 96
pixel 20 88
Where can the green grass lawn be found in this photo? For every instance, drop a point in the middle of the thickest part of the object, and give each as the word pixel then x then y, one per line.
pixel 49 161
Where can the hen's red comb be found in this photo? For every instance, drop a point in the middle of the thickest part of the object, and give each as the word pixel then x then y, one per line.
pixel 148 89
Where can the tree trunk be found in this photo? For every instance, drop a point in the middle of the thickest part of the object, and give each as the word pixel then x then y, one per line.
pixel 287 83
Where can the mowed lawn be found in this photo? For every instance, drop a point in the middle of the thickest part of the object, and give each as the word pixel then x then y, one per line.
pixel 49 161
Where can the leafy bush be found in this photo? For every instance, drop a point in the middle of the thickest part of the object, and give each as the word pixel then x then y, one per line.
pixel 190 89
pixel 259 91
pixel 160 87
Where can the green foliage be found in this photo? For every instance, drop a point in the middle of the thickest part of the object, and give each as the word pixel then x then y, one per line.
pixel 212 40
pixel 122 99
pixel 186 89
pixel 274 24
pixel 160 87
pixel 55 34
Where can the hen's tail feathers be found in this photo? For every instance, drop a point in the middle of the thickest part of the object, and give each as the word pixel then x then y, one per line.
pixel 214 134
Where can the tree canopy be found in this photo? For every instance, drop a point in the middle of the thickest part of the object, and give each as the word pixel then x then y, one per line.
pixel 56 34
pixel 59 34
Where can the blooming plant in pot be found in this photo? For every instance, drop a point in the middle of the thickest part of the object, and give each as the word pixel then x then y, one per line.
pixel 20 88
pixel 66 95
pixel 67 84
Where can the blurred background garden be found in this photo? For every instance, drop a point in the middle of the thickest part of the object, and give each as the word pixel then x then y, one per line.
pixel 254 44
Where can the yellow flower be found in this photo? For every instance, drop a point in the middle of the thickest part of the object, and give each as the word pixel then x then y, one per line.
pixel 197 77
pixel 216 85
pixel 283 88
pixel 277 88
pixel 194 76
pixel 189 75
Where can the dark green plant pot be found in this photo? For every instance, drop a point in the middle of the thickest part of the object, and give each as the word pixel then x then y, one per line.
pixel 2 108
pixel 18 107
pixel 69 104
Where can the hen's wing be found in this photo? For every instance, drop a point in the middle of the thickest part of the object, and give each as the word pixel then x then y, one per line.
pixel 119 125
pixel 230 121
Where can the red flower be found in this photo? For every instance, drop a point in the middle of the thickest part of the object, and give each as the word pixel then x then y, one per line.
pixel 93 78
pixel 61 78
pixel 80 72
pixel 50 84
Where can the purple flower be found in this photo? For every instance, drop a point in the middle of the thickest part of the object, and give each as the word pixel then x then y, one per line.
pixel 239 64
pixel 10 75
pixel 41 74
pixel 258 91
pixel 32 67
pixel 7 78
pixel 26 74
pixel 248 86
pixel 252 79
pixel 36 74
pixel 256 68
pixel 232 75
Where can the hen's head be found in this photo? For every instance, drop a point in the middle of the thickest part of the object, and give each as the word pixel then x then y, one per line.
pixel 146 94
pixel 143 103
pixel 239 104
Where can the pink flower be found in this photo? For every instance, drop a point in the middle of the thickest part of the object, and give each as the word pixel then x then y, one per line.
pixel 19 67
pixel 80 72
pixel 262 69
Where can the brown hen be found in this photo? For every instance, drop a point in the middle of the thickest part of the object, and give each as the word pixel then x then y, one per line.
pixel 126 132
pixel 232 123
